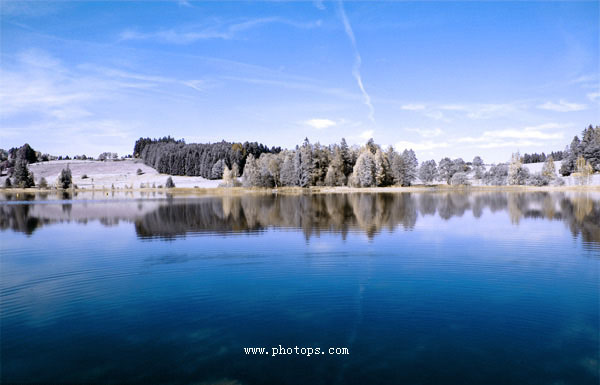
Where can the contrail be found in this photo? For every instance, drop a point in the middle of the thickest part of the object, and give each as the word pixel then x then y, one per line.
pixel 357 62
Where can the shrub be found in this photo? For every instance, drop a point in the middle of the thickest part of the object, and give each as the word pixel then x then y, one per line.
pixel 139 171
pixel 84 176
pixel 460 179
pixel 169 183
pixel 43 183
pixel 65 179
pixel 538 179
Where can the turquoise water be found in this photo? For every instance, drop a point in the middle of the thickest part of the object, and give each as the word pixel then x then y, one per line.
pixel 479 288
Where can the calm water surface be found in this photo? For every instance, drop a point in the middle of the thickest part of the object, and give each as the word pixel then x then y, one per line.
pixel 428 288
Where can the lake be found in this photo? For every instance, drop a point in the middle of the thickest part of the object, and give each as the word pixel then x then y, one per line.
pixel 405 288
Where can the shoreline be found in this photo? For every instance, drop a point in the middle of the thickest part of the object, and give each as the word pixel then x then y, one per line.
pixel 309 190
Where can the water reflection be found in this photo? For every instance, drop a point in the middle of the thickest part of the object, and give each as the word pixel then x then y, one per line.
pixel 312 213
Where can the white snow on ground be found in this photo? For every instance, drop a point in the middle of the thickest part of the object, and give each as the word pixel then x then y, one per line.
pixel 122 173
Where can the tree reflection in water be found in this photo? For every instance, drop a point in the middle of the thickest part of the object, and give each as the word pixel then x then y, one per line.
pixel 370 213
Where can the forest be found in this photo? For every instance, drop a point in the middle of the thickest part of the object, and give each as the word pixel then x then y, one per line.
pixel 367 166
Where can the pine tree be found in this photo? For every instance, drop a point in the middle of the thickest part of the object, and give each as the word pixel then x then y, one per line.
pixel 335 172
pixel 410 167
pixel 23 178
pixel 363 174
pixel 346 158
pixel 381 168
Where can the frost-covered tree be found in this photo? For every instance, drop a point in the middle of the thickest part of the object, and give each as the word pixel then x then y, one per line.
pixel 363 174
pixel 549 169
pixel 497 175
pixel 304 164
pixel 382 168
pixel 409 174
pixel 569 163
pixel 251 175
pixel 428 171
pixel 335 172
pixel 460 179
pixel 590 146
pixel 320 160
pixel 538 179
pixel 584 170
pixel 217 169
pixel 446 169
pixel 478 167
pixel 517 174
pixel 289 175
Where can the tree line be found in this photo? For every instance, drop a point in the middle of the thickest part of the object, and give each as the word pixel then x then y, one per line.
pixel 208 160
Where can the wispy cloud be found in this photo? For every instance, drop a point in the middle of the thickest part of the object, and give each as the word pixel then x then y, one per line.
pixel 413 107
pixel 525 136
pixel 320 124
pixel 357 62
pixel 593 96
pixel 562 106
pixel 224 32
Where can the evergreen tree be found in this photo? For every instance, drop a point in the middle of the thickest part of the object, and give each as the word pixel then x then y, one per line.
pixel 363 174
pixel 305 166
pixel 382 168
pixel 169 183
pixel 409 175
pixel 23 178
pixel 65 179
pixel 569 163
pixel 346 158
pixel 335 172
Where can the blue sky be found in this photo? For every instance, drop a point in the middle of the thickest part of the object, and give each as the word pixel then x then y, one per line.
pixel 444 78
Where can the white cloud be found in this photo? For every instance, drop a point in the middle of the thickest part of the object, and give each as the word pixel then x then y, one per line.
pixel 562 106
pixel 420 146
pixel 427 133
pixel 366 135
pixel 320 124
